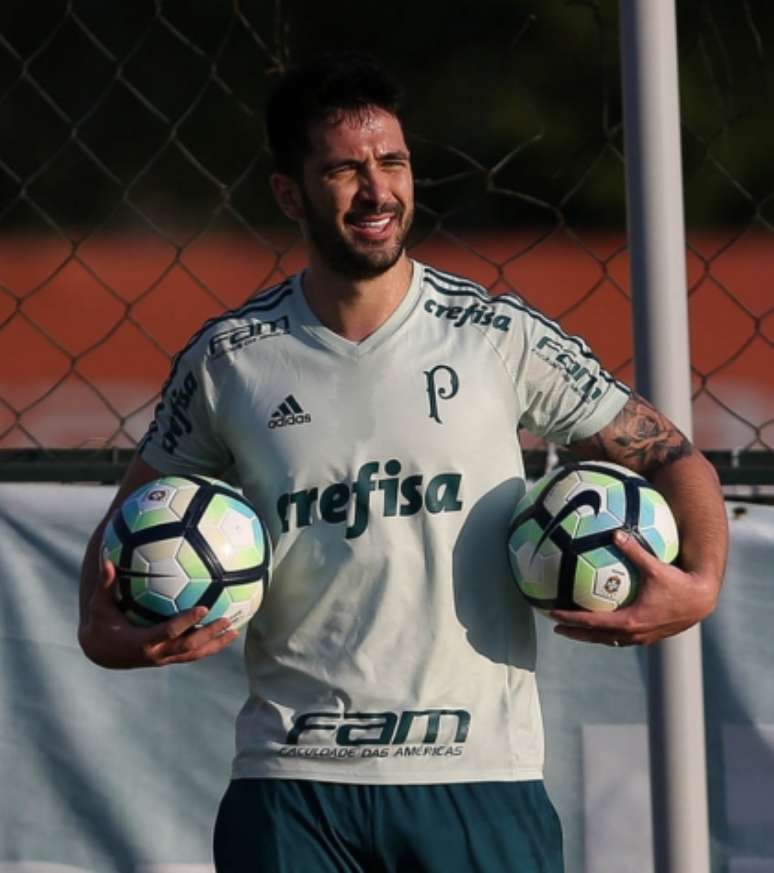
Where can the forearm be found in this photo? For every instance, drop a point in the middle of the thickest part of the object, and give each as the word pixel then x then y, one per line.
pixel 692 489
pixel 644 440
pixel 89 574
pixel 137 474
pixel 108 640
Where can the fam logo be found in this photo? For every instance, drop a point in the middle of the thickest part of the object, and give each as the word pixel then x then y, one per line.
pixel 177 401
pixel 443 383
pixel 237 338
pixel 582 380
pixel 351 504
pixel 420 726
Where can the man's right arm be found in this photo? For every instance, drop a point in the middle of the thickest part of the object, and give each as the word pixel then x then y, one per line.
pixel 108 638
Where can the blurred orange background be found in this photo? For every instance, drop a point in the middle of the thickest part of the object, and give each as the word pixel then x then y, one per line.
pixel 87 331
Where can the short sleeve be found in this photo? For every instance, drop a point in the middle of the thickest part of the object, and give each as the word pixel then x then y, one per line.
pixel 566 393
pixel 183 436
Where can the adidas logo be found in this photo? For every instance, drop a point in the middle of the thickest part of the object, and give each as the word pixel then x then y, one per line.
pixel 287 413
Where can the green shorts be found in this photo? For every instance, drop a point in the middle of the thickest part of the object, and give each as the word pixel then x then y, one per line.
pixel 298 826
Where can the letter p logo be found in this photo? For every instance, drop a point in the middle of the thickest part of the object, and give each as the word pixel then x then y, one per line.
pixel 443 383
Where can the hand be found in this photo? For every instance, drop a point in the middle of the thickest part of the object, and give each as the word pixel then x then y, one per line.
pixel 110 640
pixel 669 601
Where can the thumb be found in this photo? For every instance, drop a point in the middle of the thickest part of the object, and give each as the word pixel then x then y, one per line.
pixel 102 594
pixel 107 574
pixel 629 546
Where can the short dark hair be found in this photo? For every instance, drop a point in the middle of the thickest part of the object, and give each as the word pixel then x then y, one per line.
pixel 334 83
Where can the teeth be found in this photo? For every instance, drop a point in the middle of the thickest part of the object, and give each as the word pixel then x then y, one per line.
pixel 374 224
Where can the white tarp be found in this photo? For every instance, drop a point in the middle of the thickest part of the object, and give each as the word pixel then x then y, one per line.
pixel 105 771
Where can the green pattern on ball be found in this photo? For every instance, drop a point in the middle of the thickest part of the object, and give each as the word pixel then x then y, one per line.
pixel 241 593
pixel 533 493
pixel 603 480
pixel 170 574
pixel 152 518
pixel 216 509
pixel 251 556
pixel 130 511
pixel 138 585
pixel 260 541
pixel 585 573
pixel 234 531
pixel 602 557
pixel 111 545
pixel 191 594
pixel 220 606
pixel 193 566
pixel 604 580
pixel 594 574
pixel 529 532
pixel 615 495
pixel 161 605
pixel 598 524
pixel 648 503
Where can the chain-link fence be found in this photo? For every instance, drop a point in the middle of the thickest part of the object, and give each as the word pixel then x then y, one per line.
pixel 134 202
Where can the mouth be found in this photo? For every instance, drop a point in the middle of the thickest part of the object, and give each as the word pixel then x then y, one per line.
pixel 374 227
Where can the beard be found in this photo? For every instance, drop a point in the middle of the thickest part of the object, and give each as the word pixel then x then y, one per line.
pixel 349 259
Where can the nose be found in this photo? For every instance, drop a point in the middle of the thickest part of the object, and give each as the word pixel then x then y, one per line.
pixel 374 189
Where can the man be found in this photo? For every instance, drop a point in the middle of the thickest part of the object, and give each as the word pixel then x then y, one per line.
pixel 392 721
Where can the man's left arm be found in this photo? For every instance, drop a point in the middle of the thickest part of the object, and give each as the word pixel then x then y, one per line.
pixel 671 597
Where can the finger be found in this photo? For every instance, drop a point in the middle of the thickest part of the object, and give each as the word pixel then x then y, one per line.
pixel 211 647
pixel 577 618
pixel 197 637
pixel 177 626
pixel 102 595
pixel 108 575
pixel 615 638
pixel 197 644
pixel 632 550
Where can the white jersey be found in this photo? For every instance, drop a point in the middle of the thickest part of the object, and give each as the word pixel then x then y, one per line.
pixel 392 645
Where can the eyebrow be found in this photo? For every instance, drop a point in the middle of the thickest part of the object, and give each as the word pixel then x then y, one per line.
pixel 397 154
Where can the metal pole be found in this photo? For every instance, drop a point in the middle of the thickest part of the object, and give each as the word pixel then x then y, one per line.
pixel 657 251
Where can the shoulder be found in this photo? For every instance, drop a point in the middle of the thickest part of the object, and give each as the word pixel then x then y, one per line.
pixel 462 302
pixel 450 285
pixel 264 315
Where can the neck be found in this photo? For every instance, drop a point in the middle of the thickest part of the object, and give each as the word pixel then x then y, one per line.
pixel 355 308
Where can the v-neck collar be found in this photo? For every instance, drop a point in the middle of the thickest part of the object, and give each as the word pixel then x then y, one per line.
pixel 313 327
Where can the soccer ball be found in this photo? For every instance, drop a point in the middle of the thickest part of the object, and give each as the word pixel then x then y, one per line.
pixel 560 542
pixel 184 541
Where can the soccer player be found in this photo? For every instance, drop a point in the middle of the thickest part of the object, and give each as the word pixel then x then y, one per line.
pixel 369 408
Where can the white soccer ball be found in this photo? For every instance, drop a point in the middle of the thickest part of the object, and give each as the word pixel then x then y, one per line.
pixel 184 541
pixel 560 542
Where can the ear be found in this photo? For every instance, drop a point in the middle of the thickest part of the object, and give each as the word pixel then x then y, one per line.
pixel 287 193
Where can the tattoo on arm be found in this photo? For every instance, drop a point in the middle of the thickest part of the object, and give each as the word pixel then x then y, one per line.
pixel 639 437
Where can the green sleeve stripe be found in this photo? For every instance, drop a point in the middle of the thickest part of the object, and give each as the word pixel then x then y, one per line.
pixel 460 287
pixel 264 303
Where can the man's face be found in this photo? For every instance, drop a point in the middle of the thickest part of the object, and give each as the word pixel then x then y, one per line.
pixel 357 192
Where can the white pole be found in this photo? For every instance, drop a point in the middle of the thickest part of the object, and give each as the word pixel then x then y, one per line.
pixel 657 251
